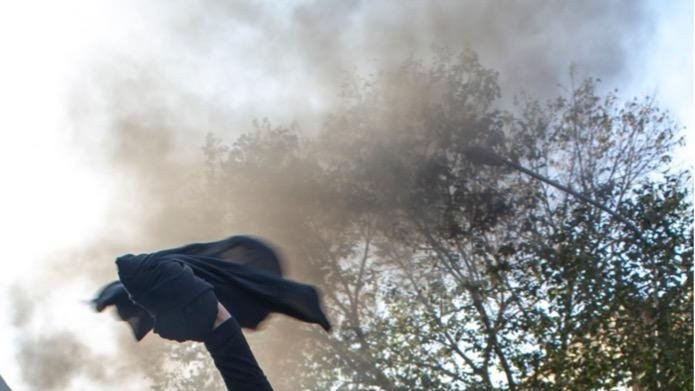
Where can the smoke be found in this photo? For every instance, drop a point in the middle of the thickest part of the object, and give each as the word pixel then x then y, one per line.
pixel 311 45
pixel 44 360
pixel 23 306
pixel 188 68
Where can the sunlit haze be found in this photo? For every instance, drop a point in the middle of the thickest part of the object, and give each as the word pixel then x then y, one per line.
pixel 58 184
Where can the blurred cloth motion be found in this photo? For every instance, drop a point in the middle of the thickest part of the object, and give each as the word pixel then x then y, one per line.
pixel 175 292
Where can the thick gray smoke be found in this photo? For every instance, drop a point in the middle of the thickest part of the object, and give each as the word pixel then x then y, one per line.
pixel 44 360
pixel 213 66
pixel 311 45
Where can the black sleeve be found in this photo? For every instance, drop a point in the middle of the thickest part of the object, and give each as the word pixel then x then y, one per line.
pixel 233 358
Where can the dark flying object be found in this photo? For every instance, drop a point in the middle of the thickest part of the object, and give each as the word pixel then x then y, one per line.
pixel 244 273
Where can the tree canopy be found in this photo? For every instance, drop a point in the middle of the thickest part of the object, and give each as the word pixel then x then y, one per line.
pixel 442 274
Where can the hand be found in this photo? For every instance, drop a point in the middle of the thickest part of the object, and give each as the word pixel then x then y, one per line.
pixel 222 315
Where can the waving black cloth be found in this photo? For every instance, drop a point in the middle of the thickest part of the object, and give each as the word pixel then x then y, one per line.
pixel 176 291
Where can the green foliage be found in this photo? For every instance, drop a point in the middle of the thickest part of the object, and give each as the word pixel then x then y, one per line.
pixel 439 274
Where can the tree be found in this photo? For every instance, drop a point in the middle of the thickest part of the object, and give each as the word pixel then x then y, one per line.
pixel 443 275
pixel 599 281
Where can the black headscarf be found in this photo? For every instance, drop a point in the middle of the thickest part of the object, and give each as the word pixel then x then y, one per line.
pixel 176 291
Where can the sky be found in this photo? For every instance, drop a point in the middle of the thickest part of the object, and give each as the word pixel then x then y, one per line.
pixel 73 72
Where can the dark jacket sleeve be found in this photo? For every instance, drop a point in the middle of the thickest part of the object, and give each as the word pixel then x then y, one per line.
pixel 233 358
